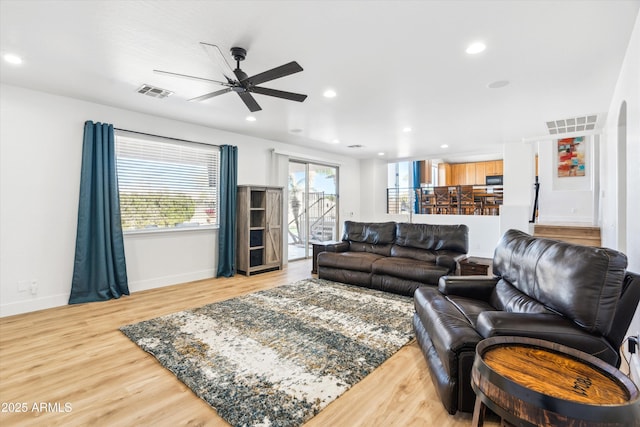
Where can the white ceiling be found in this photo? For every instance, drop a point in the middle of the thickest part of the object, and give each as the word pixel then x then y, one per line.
pixel 393 64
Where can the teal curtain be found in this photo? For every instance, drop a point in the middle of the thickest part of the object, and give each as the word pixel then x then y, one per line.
pixel 416 185
pixel 227 215
pixel 99 270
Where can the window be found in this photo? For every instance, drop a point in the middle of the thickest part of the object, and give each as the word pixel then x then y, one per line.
pixel 399 187
pixel 166 184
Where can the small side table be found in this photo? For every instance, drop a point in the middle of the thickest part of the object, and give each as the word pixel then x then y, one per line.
pixel 317 248
pixel 531 382
pixel 475 266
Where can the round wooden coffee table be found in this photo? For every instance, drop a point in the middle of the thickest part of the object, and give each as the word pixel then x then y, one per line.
pixel 531 382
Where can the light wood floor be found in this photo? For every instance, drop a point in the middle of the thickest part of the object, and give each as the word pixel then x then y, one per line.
pixel 76 355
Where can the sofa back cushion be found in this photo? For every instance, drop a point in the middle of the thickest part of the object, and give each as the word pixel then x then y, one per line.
pixel 506 297
pixel 384 249
pixel 582 283
pixel 409 252
pixel 454 238
pixel 373 233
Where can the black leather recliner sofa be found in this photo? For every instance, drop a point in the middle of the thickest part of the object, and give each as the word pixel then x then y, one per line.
pixel 394 257
pixel 578 296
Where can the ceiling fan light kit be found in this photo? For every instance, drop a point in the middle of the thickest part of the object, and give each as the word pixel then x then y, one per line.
pixel 239 82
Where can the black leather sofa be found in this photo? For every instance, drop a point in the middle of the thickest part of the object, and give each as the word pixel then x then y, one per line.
pixel 394 257
pixel 578 296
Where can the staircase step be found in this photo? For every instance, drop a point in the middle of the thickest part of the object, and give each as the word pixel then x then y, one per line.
pixel 579 234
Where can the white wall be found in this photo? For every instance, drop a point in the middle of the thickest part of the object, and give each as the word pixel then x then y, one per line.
pixel 566 199
pixel 373 197
pixel 40 155
pixel 519 173
pixel 627 90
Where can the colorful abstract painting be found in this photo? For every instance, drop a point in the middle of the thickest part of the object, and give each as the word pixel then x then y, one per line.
pixel 571 160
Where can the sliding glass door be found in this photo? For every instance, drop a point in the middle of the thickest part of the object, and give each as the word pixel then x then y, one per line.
pixel 313 206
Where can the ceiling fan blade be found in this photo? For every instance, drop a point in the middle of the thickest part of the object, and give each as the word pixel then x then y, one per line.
pixel 278 93
pixel 216 56
pixel 275 73
pixel 211 94
pixel 249 101
pixel 186 76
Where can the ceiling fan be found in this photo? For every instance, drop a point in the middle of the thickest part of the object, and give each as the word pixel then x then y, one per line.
pixel 239 82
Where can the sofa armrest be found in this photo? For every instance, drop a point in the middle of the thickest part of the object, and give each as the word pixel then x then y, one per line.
pixel 342 246
pixel 545 326
pixel 475 287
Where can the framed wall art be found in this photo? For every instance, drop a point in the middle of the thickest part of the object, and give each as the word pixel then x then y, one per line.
pixel 571 161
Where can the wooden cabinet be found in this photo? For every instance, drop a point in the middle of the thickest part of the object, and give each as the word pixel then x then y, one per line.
pixel 469 174
pixel 474 266
pixel 494 168
pixel 457 174
pixel 481 173
pixel 259 229
pixel 473 173
pixel 444 174
pixel 425 172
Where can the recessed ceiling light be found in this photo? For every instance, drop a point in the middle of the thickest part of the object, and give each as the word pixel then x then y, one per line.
pixel 476 47
pixel 329 93
pixel 444 146
pixel 335 141
pixel 12 59
pixel 381 153
pixel 406 129
pixel 250 119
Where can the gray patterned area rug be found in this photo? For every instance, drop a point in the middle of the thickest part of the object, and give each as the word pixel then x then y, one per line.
pixel 277 357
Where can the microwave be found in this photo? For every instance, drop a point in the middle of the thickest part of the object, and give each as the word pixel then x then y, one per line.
pixel 493 180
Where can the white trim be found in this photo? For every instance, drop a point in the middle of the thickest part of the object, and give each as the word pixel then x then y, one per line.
pixel 179 229
pixel 554 137
pixel 176 279
pixel 634 369
pixel 305 157
pixel 34 304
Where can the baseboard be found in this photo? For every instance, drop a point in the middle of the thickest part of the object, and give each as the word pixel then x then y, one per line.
pixel 159 282
pixel 634 368
pixel 574 219
pixel 34 304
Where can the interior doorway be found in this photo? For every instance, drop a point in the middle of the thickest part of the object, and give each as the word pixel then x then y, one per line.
pixel 313 206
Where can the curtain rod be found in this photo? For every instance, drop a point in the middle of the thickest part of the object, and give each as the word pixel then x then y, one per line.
pixel 166 137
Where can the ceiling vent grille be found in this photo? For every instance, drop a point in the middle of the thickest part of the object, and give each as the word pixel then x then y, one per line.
pixel 573 124
pixel 153 91
pixel 355 146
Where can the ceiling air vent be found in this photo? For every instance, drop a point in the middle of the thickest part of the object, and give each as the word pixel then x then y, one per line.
pixel 355 146
pixel 573 124
pixel 153 91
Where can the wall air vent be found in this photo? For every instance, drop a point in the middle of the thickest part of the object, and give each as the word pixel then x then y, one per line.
pixel 153 91
pixel 573 124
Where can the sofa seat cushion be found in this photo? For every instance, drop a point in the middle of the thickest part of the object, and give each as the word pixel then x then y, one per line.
pixel 358 278
pixel 409 268
pixel 358 261
pixel 396 285
pixel 450 330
